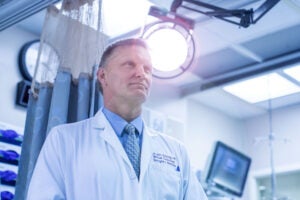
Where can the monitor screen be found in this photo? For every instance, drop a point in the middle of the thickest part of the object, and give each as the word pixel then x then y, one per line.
pixel 228 170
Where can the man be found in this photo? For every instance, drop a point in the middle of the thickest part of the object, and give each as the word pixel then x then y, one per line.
pixel 92 159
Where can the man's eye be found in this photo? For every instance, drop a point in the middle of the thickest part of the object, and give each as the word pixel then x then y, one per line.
pixel 148 69
pixel 129 63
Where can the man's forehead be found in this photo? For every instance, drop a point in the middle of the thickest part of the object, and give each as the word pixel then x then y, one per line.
pixel 129 50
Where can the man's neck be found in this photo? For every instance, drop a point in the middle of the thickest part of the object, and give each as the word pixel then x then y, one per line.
pixel 125 111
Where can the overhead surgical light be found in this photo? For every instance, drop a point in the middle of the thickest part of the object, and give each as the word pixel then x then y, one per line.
pixel 171 43
pixel 171 38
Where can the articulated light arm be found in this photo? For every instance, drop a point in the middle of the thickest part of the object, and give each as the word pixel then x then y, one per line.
pixel 245 17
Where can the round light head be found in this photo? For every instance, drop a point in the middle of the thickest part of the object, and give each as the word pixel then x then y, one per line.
pixel 172 48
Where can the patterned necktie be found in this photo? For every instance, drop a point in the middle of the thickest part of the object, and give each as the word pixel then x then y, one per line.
pixel 132 148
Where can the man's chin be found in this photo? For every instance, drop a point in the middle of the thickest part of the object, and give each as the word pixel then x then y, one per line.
pixel 140 97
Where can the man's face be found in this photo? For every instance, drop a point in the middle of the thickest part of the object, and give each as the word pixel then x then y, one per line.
pixel 127 75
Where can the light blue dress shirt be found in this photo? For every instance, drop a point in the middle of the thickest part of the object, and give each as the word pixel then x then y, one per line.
pixel 118 124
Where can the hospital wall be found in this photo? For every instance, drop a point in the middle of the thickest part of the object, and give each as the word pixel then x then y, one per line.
pixel 286 151
pixel 286 129
pixel 11 41
pixel 245 136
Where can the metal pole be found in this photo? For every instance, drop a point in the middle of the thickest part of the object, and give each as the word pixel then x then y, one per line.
pixel 271 139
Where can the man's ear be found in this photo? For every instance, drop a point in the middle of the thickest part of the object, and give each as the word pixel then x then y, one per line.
pixel 101 75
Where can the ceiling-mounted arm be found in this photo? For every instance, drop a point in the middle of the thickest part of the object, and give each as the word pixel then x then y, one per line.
pixel 244 17
pixel 263 9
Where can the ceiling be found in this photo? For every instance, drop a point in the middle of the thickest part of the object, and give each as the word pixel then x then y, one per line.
pixel 225 52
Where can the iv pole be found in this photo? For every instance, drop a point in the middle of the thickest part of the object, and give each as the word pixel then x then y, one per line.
pixel 270 140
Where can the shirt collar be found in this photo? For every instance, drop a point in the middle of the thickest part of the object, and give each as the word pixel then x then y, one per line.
pixel 118 123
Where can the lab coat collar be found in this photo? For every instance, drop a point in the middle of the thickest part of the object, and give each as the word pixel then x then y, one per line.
pixel 100 123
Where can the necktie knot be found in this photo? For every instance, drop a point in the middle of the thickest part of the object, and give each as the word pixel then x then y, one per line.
pixel 130 129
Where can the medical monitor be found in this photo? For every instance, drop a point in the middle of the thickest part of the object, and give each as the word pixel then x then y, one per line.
pixel 227 171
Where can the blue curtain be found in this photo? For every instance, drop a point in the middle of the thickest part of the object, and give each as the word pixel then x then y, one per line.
pixel 79 103
pixel 65 101
pixel 58 112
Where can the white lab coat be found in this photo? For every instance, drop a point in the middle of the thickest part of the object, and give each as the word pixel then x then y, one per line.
pixel 85 160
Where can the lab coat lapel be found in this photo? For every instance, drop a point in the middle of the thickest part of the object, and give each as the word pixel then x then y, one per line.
pixel 146 154
pixel 106 132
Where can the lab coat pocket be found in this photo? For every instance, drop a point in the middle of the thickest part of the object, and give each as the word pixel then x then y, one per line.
pixel 165 182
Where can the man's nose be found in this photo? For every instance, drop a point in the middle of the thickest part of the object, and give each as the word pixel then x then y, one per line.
pixel 140 71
